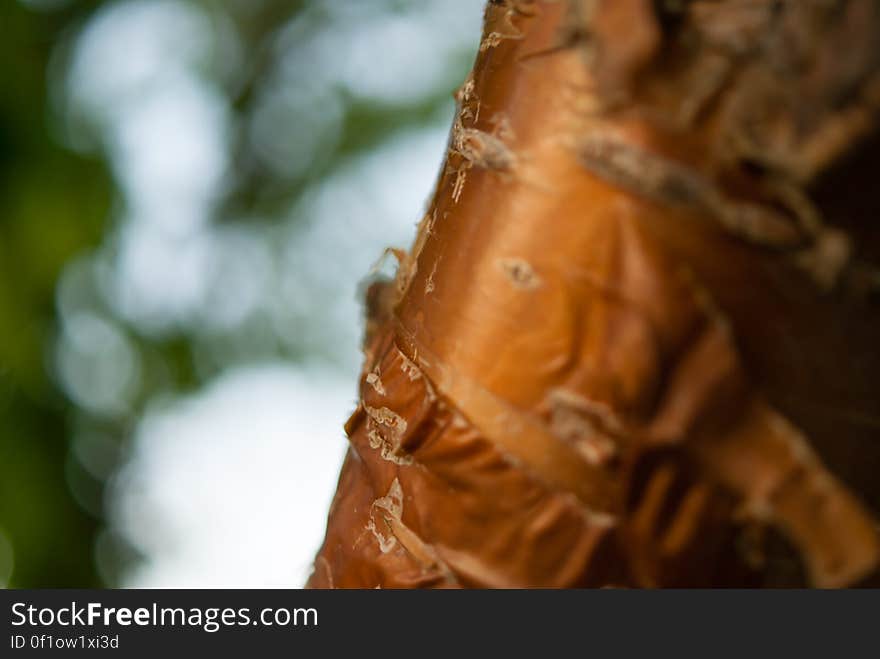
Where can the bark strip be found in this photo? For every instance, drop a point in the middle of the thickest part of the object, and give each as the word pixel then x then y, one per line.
pixel 635 341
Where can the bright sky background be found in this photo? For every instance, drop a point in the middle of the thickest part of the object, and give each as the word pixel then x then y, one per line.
pixel 230 485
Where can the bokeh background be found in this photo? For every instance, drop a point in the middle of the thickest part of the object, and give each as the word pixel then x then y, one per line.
pixel 192 193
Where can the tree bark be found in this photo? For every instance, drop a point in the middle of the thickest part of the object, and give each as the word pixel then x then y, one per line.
pixel 635 342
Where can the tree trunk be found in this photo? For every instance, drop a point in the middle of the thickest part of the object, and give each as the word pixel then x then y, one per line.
pixel 637 339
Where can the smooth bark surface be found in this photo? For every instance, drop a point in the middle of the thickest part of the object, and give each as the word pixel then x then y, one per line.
pixel 635 342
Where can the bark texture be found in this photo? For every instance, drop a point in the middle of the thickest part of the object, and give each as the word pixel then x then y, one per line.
pixel 637 339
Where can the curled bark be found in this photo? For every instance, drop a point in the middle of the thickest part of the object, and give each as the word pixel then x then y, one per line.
pixel 635 341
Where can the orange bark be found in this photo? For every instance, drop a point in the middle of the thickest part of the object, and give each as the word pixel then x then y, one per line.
pixel 635 341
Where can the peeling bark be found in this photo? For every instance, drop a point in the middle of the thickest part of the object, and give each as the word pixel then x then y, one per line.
pixel 636 340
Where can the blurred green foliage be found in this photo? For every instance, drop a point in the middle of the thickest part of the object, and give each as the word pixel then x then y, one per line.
pixel 53 204
pixel 63 211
